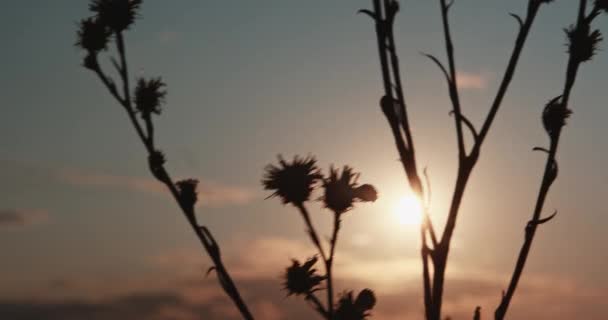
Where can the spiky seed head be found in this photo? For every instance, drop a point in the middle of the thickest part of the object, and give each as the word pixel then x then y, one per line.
pixel 118 15
pixel 351 309
pixel 302 279
pixel 602 5
pixel 149 96
pixel 582 42
pixel 366 300
pixel 92 36
pixel 187 192
pixel 554 116
pixel 342 190
pixel 293 181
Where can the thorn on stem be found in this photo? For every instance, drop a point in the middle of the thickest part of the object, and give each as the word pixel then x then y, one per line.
pixel 209 271
pixel 518 18
pixel 369 13
pixel 547 219
pixel 540 149
pixel 440 65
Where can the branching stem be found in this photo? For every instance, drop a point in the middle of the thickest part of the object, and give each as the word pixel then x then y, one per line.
pixel 203 234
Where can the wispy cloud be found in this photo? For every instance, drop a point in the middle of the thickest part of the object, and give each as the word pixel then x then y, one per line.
pixel 470 80
pixel 212 194
pixel 21 217
pixel 197 296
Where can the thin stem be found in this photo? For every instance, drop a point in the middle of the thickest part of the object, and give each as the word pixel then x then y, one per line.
pixel 453 84
pixel 204 235
pixel 312 233
pixel 466 168
pixel 326 260
pixel 524 31
pixel 330 261
pixel 318 305
pixel 426 278
pixel 571 73
pixel 408 155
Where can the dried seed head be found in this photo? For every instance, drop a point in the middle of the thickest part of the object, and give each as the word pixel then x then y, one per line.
pixel 554 116
pixel 93 36
pixel 341 190
pixel 118 15
pixel 302 279
pixel 156 160
pixel 351 309
pixel 602 5
pixel 292 181
pixel 366 193
pixel 582 42
pixel 149 96
pixel 366 300
pixel 187 192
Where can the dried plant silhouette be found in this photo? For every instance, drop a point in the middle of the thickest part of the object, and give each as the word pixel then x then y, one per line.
pixel 109 22
pixel 295 182
pixel 582 46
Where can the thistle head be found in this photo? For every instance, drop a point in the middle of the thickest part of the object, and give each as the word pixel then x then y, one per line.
pixel 302 279
pixel 349 308
pixel 187 192
pixel 341 190
pixel 602 5
pixel 555 115
pixel 118 15
pixel 292 181
pixel 582 42
pixel 92 36
pixel 149 96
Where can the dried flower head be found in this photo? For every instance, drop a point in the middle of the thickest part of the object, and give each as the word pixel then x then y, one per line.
pixel 93 35
pixel 366 299
pixel 187 192
pixel 149 96
pixel 156 160
pixel 118 15
pixel 554 116
pixel 582 42
pixel 355 309
pixel 366 193
pixel 602 5
pixel 341 190
pixel 292 182
pixel 302 279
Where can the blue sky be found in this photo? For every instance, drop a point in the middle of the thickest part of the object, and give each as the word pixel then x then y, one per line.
pixel 248 81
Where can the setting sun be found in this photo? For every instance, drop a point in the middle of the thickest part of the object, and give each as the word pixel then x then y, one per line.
pixel 408 210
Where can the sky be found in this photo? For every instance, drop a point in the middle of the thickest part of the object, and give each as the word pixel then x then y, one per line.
pixel 86 233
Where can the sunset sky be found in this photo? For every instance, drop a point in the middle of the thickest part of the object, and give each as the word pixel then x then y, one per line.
pixel 86 233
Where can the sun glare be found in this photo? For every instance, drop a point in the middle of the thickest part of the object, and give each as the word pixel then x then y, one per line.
pixel 408 210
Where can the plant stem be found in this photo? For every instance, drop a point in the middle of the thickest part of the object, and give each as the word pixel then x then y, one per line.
pixel 571 73
pixel 318 305
pixel 326 260
pixel 439 254
pixel 453 83
pixel 204 235
pixel 330 261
